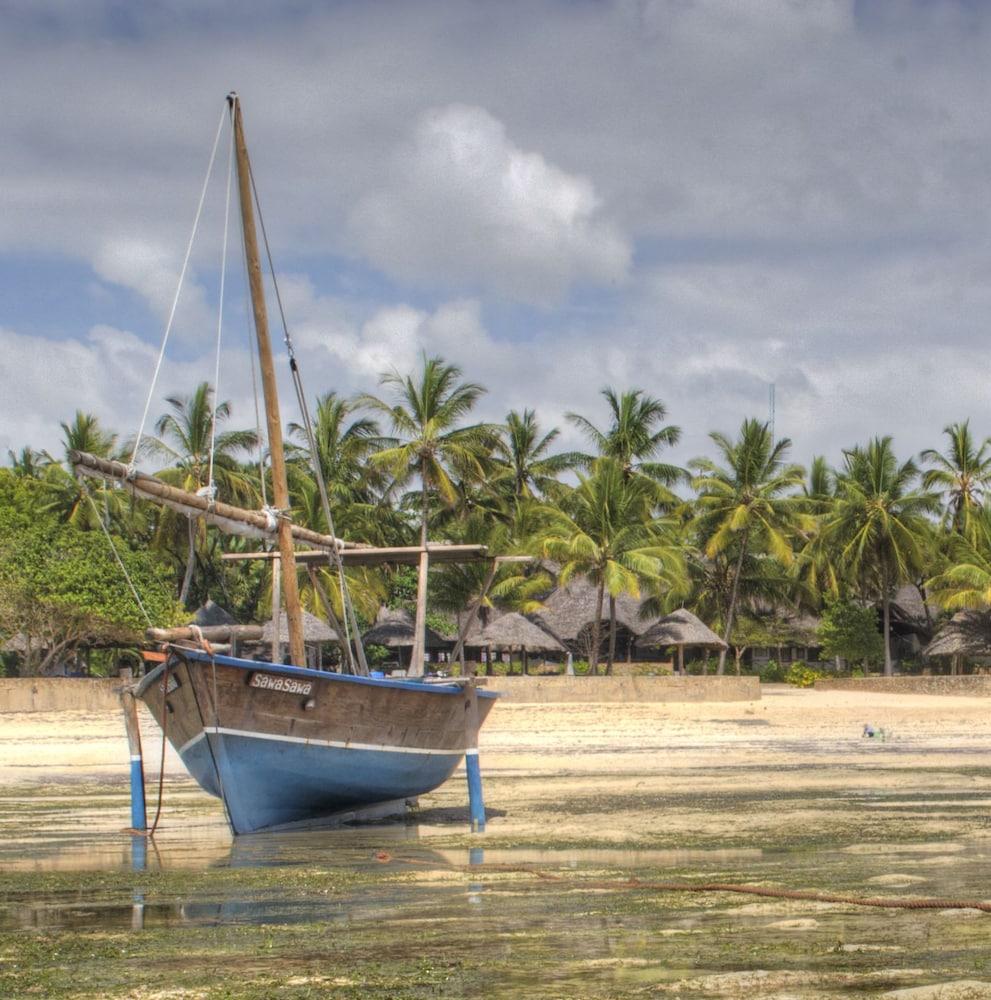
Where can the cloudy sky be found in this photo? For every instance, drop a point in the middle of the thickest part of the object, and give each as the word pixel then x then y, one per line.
pixel 694 197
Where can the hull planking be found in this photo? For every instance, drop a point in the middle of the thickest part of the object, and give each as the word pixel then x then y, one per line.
pixel 283 745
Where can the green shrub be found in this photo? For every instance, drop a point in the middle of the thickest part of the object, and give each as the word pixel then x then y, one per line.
pixel 802 675
pixel 772 672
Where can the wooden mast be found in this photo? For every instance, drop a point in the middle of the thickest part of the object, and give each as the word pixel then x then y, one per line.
pixel 280 486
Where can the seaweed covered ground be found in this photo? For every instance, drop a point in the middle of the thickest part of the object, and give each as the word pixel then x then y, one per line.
pixel 587 803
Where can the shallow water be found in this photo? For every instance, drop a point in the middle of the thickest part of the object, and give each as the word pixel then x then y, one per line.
pixel 396 910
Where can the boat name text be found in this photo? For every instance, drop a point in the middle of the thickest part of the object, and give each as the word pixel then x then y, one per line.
pixel 287 685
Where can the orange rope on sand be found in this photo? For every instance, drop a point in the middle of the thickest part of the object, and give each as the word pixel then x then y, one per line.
pixel 626 885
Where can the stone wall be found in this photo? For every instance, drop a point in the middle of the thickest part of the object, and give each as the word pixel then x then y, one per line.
pixel 624 689
pixel 960 686
pixel 58 694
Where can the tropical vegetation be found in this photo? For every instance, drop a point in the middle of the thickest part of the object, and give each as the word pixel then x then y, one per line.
pixel 746 537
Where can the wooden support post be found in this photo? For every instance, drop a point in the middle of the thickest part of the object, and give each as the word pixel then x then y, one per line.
pixel 277 610
pixel 681 660
pixel 139 817
pixel 476 803
pixel 419 636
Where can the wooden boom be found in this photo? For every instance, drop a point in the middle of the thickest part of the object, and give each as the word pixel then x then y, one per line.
pixel 230 519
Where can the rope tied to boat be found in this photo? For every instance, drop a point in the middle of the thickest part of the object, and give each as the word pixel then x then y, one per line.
pixel 203 642
pixel 161 766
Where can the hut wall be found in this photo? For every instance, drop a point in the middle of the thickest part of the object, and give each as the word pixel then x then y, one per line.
pixel 762 655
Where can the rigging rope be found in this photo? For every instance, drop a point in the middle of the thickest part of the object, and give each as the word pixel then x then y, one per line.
pixel 182 276
pixel 120 562
pixel 161 768
pixel 350 619
pixel 259 431
pixel 220 319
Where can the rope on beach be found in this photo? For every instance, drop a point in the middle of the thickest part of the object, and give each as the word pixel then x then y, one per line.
pixel 634 884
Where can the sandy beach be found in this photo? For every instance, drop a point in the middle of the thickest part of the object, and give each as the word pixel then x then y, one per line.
pixel 785 791
pixel 640 764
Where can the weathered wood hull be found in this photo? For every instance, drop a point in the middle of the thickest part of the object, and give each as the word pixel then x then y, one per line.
pixel 284 745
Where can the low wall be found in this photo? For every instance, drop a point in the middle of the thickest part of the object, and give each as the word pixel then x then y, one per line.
pixel 960 686
pixel 82 694
pixel 58 694
pixel 624 689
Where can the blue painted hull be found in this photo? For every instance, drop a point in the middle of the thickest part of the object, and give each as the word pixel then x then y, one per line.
pixel 283 745
pixel 266 783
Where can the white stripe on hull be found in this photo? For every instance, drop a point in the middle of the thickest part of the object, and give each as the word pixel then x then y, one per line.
pixel 339 744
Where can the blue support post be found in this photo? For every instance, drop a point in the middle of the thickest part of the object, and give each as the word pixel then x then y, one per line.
pixel 476 803
pixel 139 817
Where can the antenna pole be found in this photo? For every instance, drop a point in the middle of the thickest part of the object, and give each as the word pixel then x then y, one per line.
pixel 770 411
pixel 280 485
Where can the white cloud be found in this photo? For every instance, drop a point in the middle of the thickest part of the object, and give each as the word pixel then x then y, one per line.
pixel 466 206
pixel 152 271
pixel 107 373
pixel 776 191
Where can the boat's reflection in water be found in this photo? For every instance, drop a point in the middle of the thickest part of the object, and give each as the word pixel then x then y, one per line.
pixel 194 877
pixel 391 850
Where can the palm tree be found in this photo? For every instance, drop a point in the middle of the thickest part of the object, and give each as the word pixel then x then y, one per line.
pixel 70 494
pixel 28 463
pixel 966 583
pixel 184 439
pixel 344 448
pixel 604 530
pixel 961 475
pixel 634 438
pixel 424 413
pixel 526 469
pixel 748 504
pixel 880 523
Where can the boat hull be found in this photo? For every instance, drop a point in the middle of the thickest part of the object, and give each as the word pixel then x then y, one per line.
pixel 284 745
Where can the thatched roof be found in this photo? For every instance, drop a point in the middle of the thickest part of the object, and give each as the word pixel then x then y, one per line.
pixel 514 630
pixel 967 633
pixel 314 629
pixel 17 643
pixel 395 627
pixel 680 628
pixel 211 614
pixel 569 610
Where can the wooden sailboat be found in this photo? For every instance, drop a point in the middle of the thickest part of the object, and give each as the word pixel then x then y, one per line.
pixel 280 743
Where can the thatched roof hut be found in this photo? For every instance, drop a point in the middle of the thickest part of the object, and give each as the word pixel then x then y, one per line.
pixel 514 631
pixel 394 627
pixel 314 630
pixel 210 615
pixel 569 614
pixel 681 628
pixel 966 634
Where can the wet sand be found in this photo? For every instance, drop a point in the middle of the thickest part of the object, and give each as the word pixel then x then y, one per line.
pixel 784 791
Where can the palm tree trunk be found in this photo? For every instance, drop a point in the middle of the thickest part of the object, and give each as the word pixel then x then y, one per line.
pixel 424 512
pixel 187 580
pixel 889 668
pixel 612 634
pixel 593 658
pixel 732 604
